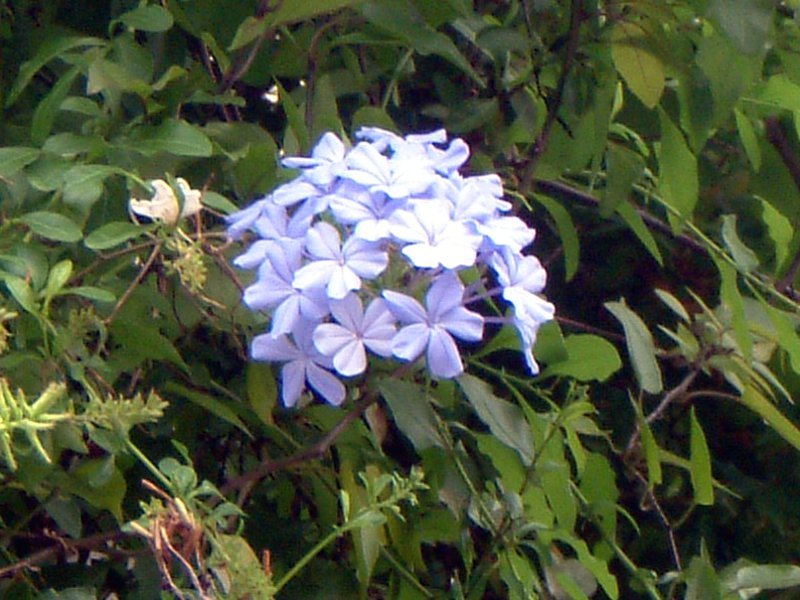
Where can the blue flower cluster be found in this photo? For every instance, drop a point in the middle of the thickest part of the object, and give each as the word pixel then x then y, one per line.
pixel 359 224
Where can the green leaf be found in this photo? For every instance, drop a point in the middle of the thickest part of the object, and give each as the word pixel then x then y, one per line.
pixel 743 256
pixel 623 168
pixel 150 17
pixel 401 20
pixel 113 234
pixel 745 22
pixel 105 492
pixel 218 202
pixel 91 292
pixel 213 405
pixel 677 178
pixel 652 454
pixel 57 278
pixel 288 11
pixel 45 114
pixel 762 577
pixel 504 419
pixel 146 342
pixel 15 158
pixel 83 184
pixel 732 298
pixel 747 135
pixel 262 391
pixel 780 231
pixel 641 349
pixel 567 233
pixel 634 221
pixel 700 459
pixel 52 46
pixel 589 358
pixel 52 226
pixel 702 582
pixel 173 136
pixel 641 69
pixel 412 412
pixel 673 303
pixel 756 402
pixel 22 293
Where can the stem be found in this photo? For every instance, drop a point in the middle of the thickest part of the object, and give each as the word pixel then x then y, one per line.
pixel 405 573
pixel 298 566
pixel 166 483
pixel 396 77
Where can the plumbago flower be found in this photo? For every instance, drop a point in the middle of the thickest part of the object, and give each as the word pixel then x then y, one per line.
pixel 392 225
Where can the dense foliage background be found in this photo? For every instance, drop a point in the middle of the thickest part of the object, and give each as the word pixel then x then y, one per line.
pixel 653 145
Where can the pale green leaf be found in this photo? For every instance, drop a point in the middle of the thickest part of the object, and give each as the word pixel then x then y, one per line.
pixel 756 402
pixel 641 348
pixel 149 17
pixel 15 158
pixel 677 177
pixel 641 69
pixel 780 231
pixel 673 303
pixel 57 278
pixel 743 256
pixel 745 22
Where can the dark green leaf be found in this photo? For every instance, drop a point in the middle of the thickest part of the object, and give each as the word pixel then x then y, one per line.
pixel 113 234
pixel 52 46
pixel 175 137
pixel 90 292
pixel 700 459
pixel 413 413
pixel 213 405
pixel 636 224
pixel 52 226
pixel 504 419
pixel 567 233
pixel 45 113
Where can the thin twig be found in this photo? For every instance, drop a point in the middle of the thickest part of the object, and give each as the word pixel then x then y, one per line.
pixel 671 396
pixel 60 548
pixel 543 139
pixel 132 287
pixel 243 63
pixel 673 546
pixel 313 452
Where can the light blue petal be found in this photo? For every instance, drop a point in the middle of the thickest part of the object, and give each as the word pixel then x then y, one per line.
pixel 293 377
pixel 326 384
pixel 270 349
pixel 351 360
pixel 329 338
pixel 405 308
pixel 410 341
pixel 443 358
